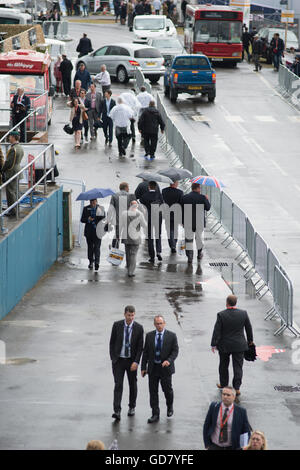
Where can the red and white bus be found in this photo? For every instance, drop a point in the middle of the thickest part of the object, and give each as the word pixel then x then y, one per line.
pixel 215 31
pixel 30 70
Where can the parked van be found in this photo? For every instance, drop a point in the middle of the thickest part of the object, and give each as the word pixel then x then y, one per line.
pixel 150 26
pixel 14 16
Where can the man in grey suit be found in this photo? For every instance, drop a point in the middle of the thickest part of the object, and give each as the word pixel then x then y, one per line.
pixel 229 339
pixel 119 203
pixel 160 352
pixel 93 104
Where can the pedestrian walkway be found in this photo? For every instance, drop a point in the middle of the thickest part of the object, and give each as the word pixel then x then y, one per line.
pixel 56 389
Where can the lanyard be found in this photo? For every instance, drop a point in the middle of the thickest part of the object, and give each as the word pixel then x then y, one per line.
pixel 222 424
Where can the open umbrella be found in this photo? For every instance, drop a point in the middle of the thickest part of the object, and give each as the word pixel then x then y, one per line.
pixel 95 194
pixel 208 181
pixel 176 174
pixel 154 177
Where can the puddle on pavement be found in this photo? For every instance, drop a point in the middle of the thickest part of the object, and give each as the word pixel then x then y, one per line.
pixel 20 361
pixel 233 276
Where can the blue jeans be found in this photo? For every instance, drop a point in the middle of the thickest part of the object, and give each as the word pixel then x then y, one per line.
pixel 277 60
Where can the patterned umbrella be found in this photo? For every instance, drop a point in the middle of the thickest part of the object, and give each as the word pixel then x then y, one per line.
pixel 208 181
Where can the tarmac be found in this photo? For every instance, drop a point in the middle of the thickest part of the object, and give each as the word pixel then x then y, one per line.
pixel 56 386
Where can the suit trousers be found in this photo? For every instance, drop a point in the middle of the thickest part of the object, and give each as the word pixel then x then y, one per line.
pixel 189 241
pixel 108 125
pixel 166 384
pixel 171 233
pixel 16 119
pixel 66 84
pixel 94 245
pixel 150 143
pixel 123 140
pixel 93 115
pixel 152 233
pixel 131 254
pixel 237 363
pixel 119 369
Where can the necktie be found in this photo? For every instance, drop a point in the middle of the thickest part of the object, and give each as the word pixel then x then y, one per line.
pixel 127 342
pixel 224 430
pixel 158 349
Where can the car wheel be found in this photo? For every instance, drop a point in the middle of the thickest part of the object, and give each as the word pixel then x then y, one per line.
pixel 173 95
pixel 122 76
pixel 166 90
pixel 154 80
pixel 211 97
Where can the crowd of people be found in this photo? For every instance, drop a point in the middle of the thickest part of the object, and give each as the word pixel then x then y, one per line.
pixel 129 9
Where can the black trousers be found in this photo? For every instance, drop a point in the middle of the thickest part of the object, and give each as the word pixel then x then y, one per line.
pixel 150 143
pixel 155 377
pixel 132 128
pixel 119 369
pixel 108 125
pixel 171 233
pixel 17 117
pixel 153 235
pixel 237 363
pixel 246 48
pixel 94 245
pixel 123 141
pixel 66 84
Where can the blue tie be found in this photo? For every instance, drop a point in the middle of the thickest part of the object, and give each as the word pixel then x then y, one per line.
pixel 127 341
pixel 158 349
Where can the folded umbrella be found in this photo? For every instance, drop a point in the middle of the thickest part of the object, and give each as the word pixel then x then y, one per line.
pixel 176 174
pixel 208 181
pixel 154 177
pixel 95 194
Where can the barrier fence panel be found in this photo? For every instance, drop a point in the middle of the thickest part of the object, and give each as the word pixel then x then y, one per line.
pixel 250 240
pixel 261 257
pixel 272 262
pixel 239 226
pixel 215 201
pixel 188 158
pixel 226 212
pixel 282 299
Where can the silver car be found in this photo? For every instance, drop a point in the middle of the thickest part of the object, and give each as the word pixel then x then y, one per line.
pixel 121 61
pixel 169 47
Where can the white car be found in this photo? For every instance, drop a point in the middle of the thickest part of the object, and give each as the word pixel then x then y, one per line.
pixel 151 26
pixel 268 33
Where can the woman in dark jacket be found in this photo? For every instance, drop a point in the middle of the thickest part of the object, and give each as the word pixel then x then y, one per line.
pixel 91 216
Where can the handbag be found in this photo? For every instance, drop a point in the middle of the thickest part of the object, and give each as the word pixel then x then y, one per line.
pixel 250 354
pixel 68 129
pixel 115 256
pixel 98 124
pixel 85 116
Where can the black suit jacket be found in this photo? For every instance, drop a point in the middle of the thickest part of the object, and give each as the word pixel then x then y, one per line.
pixel 240 424
pixel 143 188
pixel 151 198
pixel 117 337
pixel 169 352
pixel 25 105
pixel 228 334
pixel 172 196
pixel 89 229
pixel 194 198
pixel 103 108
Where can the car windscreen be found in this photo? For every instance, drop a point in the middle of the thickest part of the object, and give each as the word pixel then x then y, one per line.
pixel 149 23
pixel 167 44
pixel 187 63
pixel 31 83
pixel 147 53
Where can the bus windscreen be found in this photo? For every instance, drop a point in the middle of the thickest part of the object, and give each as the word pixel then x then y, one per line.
pixel 218 31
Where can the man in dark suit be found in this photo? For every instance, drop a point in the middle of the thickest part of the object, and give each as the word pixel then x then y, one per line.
pixel 85 46
pixel 194 221
pixel 143 188
pixel 107 105
pixel 66 68
pixel 225 423
pixel 228 338
pixel 20 107
pixel 172 196
pixel 125 347
pixel 152 201
pixel 160 352
pixel 91 216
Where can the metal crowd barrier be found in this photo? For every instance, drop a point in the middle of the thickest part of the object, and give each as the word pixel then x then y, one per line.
pixel 140 80
pixel 260 261
pixel 288 85
pixel 55 29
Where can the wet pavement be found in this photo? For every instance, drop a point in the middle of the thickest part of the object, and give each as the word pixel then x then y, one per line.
pixel 56 386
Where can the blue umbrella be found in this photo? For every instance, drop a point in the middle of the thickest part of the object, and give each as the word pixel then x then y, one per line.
pixel 95 194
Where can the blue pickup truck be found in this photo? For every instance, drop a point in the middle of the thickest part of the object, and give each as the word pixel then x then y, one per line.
pixel 190 74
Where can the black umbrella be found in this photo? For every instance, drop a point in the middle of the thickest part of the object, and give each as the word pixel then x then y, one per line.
pixel 154 177
pixel 176 174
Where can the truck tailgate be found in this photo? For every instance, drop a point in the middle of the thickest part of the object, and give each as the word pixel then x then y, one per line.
pixel 194 77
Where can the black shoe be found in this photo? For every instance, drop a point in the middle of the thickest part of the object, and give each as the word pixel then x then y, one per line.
pixel 110 144
pixel 91 266
pixel 170 412
pixel 173 250
pixel 153 419
pixel 159 257
pixel 133 140
pixel 123 151
pixel 96 267
pixel 131 275
pixel 131 412
pixel 117 415
pixel 152 157
pixel 106 141
pixel 151 260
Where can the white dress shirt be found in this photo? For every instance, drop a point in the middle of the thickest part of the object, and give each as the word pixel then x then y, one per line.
pixel 131 100
pixel 216 434
pixel 103 78
pixel 122 354
pixel 121 115
pixel 144 98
